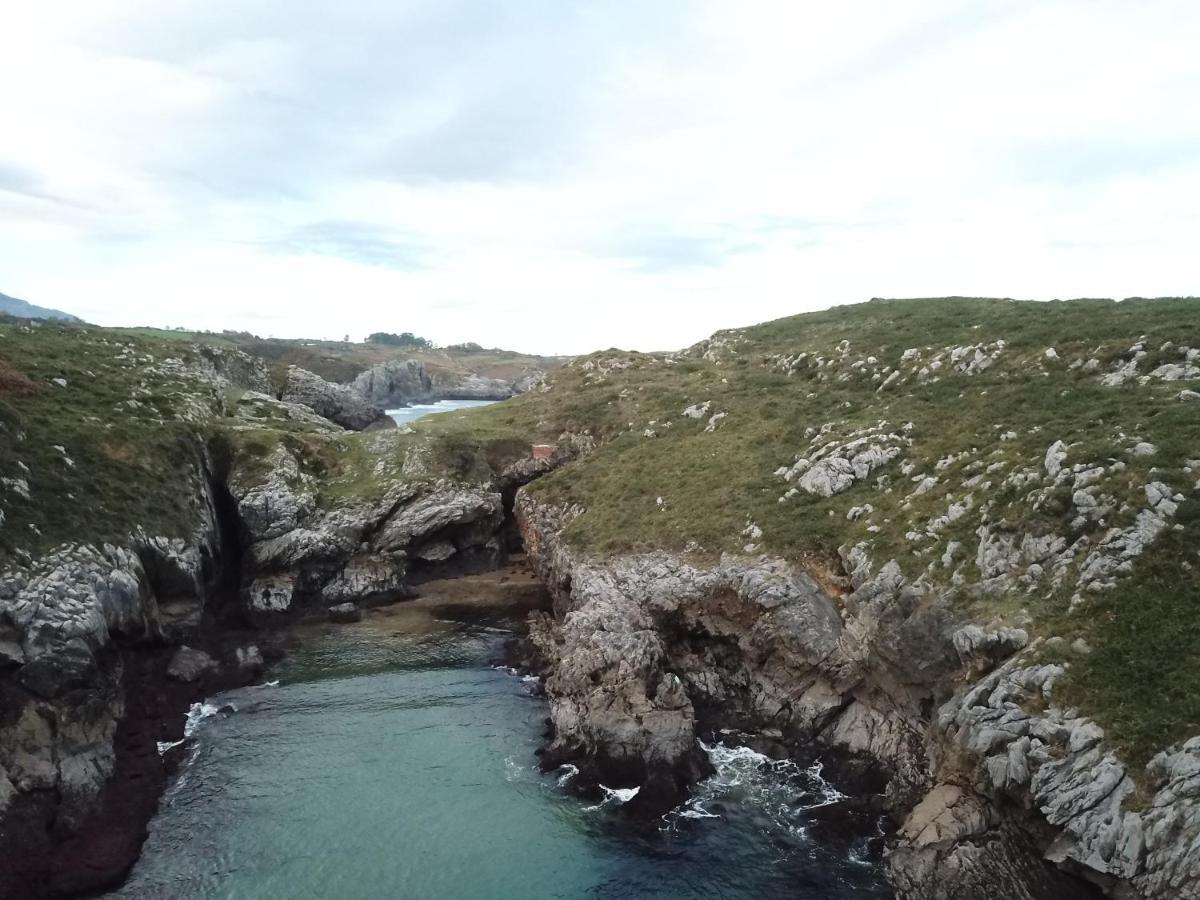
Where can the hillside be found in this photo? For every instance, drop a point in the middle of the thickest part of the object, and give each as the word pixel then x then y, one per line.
pixel 995 504
pixel 970 429
pixel 11 306
pixel 950 543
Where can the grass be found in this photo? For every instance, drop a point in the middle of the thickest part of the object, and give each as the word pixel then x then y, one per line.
pixel 134 463
pixel 1141 679
pixel 661 481
pixel 120 466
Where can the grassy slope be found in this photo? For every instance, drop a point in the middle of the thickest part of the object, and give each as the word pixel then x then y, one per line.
pixel 131 431
pixel 1141 681
pixel 132 460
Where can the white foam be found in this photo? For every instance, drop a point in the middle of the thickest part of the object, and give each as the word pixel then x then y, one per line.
pixel 165 746
pixel 620 795
pixel 201 711
pixel 569 771
pixel 744 776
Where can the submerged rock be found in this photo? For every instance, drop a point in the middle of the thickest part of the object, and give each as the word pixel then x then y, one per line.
pixel 344 612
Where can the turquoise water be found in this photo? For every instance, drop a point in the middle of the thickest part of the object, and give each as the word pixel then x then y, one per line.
pixel 391 760
pixel 417 410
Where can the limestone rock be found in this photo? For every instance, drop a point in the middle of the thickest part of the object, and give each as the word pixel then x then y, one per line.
pixel 471 513
pixel 190 664
pixel 394 384
pixel 335 402
pixel 271 594
pixel 344 612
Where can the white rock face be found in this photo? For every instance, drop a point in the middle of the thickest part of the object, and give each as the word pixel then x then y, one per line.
pixel 1061 763
pixel 835 467
pixel 1114 555
pixel 698 410
pixel 1056 455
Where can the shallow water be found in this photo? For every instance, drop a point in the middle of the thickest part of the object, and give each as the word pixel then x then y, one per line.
pixel 391 760
pixel 417 410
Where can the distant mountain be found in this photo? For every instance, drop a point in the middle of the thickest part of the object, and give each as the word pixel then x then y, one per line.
pixel 13 307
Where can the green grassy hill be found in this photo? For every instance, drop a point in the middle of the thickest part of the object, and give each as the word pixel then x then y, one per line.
pixel 972 397
pixel 1036 463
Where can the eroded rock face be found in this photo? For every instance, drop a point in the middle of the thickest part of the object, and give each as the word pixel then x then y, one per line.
pixel 335 402
pixel 298 550
pixel 66 619
pixel 642 651
pixel 393 384
pixel 401 382
pixel 1057 763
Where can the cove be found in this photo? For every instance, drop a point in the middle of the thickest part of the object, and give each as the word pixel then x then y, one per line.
pixel 389 758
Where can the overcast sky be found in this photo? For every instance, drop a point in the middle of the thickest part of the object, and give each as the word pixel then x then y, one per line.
pixel 563 176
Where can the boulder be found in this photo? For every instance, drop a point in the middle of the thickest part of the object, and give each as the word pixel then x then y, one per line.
pixel 336 402
pixel 344 612
pixel 189 664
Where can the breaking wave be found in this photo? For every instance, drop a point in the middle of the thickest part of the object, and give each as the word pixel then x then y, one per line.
pixel 780 790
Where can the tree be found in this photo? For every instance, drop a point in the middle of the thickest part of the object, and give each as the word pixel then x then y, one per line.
pixel 406 339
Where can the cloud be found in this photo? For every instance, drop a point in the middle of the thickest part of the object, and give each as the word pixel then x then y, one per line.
pixel 358 242
pixel 562 176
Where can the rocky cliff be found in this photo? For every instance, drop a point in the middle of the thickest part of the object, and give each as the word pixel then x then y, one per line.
pixel 154 504
pixel 949 545
pixel 399 383
pixel 948 582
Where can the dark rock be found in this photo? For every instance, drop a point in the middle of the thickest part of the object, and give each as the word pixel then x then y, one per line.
pixel 189 664
pixel 51 675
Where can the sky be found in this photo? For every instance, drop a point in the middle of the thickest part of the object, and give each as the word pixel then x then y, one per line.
pixel 559 176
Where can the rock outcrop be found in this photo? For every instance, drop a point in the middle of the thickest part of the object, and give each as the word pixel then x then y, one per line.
pixel 399 383
pixel 991 784
pixel 335 402
pixel 394 384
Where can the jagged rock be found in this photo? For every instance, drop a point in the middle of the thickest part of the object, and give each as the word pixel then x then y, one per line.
pixel 344 612
pixel 835 467
pixel 399 383
pixel 983 649
pixel 472 513
pixel 1060 763
pixel 1055 456
pixel 437 551
pixel 190 664
pixel 232 368
pixel 394 384
pixel 271 594
pixel 366 576
pixel 263 409
pixel 335 402
pixel 249 659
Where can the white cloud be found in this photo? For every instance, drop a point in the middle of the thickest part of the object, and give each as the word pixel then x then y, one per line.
pixel 562 177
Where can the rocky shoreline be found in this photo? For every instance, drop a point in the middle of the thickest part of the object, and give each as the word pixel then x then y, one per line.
pixel 899 639
pixel 640 655
pixel 986 780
